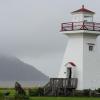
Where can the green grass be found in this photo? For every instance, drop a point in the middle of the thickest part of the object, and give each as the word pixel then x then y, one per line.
pixel 12 93
pixel 11 90
pixel 57 98
pixel 65 98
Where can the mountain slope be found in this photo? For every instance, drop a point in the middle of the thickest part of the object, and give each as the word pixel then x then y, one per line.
pixel 12 69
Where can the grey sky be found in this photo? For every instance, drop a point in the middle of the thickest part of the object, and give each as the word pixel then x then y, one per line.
pixel 29 29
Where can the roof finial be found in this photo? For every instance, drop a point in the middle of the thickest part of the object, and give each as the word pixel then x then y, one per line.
pixel 82 6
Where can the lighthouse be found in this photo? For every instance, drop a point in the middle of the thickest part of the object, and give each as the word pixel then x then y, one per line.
pixel 81 59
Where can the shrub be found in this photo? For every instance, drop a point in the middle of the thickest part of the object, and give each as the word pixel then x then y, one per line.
pixel 33 92
pixel 40 91
pixel 36 92
pixel 21 97
pixel 78 93
pixel 86 92
pixel 98 90
pixel 1 94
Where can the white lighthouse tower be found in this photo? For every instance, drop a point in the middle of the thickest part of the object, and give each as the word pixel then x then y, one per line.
pixel 81 58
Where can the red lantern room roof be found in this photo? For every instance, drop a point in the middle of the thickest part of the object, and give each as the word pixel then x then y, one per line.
pixel 84 10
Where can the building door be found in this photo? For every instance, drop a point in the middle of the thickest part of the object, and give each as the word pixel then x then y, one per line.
pixel 69 72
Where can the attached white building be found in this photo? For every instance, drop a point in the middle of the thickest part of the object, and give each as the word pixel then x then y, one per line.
pixel 81 56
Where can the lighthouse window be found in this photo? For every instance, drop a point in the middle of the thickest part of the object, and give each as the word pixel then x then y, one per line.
pixel 90 47
pixel 87 18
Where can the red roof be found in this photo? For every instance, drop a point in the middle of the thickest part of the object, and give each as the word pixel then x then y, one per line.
pixel 83 10
pixel 72 63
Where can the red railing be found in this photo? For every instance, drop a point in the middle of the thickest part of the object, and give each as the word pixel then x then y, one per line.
pixel 70 26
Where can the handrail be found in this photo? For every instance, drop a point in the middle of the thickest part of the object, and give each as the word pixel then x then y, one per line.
pixel 47 88
pixel 55 84
pixel 71 26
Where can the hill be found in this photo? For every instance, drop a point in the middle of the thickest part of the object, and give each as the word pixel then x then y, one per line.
pixel 13 69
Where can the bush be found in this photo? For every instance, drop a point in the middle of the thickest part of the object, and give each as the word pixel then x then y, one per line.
pixel 36 92
pixel 78 93
pixel 86 92
pixel 1 94
pixel 40 91
pixel 21 97
pixel 33 92
pixel 98 90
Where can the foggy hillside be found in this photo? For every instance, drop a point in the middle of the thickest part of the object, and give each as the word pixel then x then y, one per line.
pixel 12 69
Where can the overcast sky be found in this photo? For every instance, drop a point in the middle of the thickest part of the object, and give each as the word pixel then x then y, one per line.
pixel 29 29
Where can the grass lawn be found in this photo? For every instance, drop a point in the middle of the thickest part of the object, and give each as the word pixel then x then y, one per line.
pixel 65 98
pixel 12 93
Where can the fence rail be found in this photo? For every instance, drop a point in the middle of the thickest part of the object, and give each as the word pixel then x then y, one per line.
pixel 70 26
pixel 56 85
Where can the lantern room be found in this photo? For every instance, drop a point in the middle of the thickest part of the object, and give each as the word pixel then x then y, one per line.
pixel 82 19
pixel 82 14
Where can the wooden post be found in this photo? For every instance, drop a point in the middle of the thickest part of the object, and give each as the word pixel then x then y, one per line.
pixel 83 25
pixel 72 26
pixel 93 26
pixel 62 29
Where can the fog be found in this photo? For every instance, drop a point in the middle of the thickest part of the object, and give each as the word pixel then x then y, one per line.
pixel 30 30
